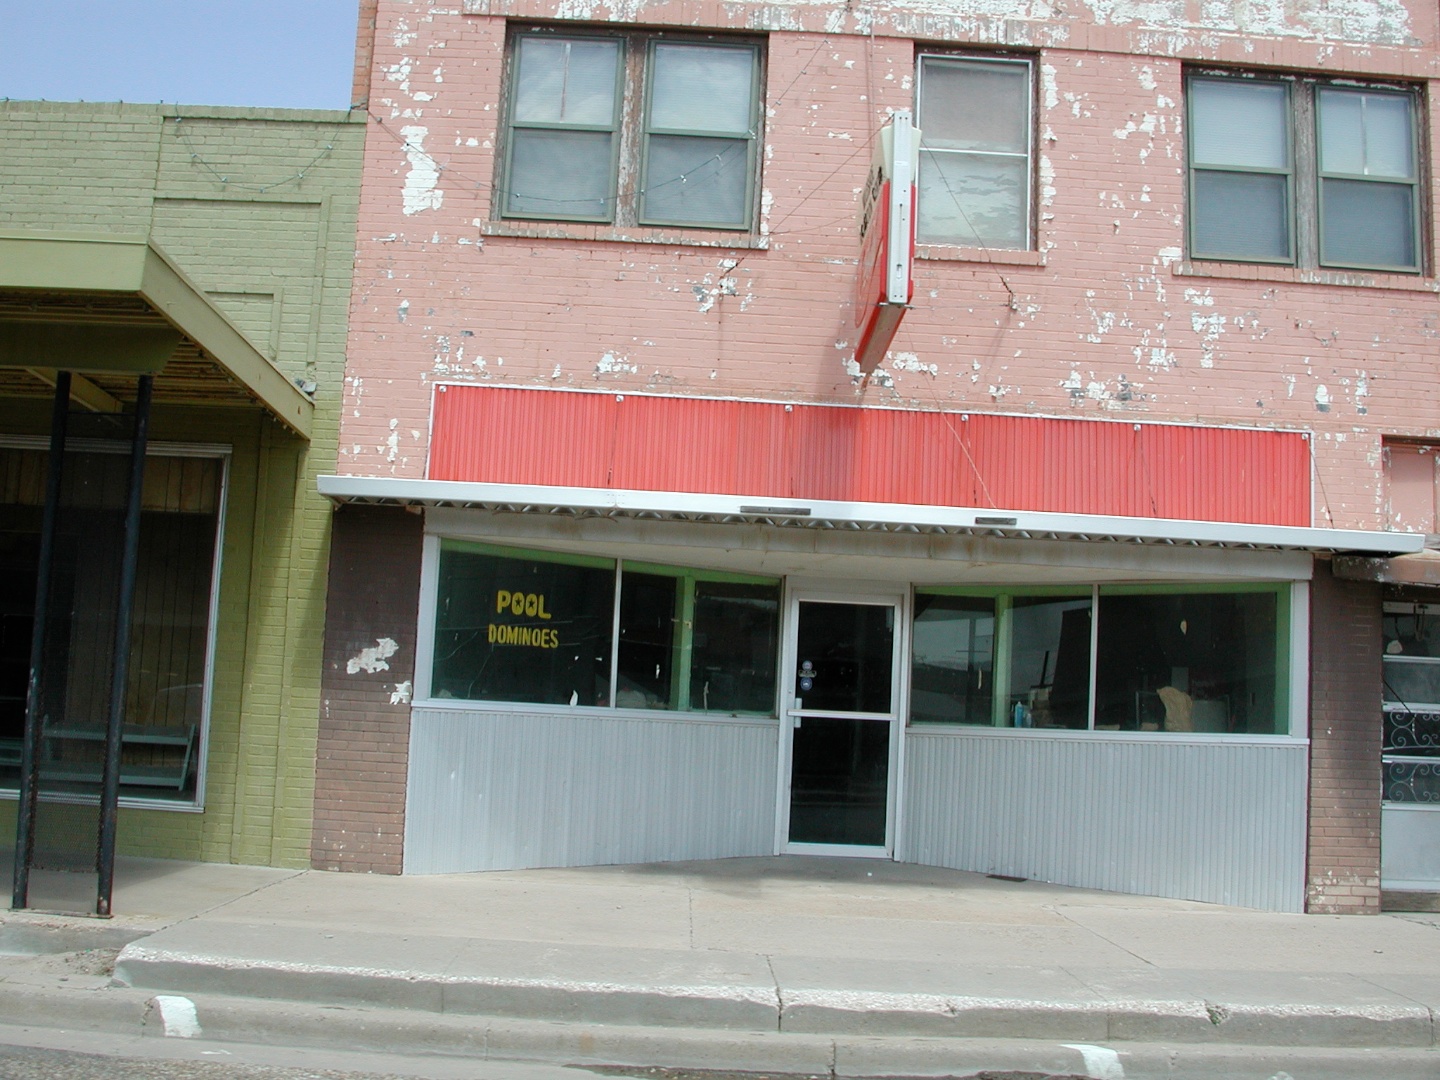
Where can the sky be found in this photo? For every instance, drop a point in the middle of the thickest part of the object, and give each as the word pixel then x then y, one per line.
pixel 295 54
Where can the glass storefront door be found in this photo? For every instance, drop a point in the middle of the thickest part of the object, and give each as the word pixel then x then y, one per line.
pixel 842 718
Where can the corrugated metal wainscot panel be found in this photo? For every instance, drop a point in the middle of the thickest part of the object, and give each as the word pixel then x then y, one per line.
pixel 1410 846
pixel 511 435
pixel 1222 822
pixel 508 790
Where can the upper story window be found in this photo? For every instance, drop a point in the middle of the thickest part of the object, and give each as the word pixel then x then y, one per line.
pixel 974 116
pixel 1302 172
pixel 631 129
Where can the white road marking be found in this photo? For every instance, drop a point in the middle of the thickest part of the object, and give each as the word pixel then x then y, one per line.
pixel 177 1016
pixel 1101 1063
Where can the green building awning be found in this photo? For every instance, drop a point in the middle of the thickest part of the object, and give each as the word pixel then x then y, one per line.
pixel 112 308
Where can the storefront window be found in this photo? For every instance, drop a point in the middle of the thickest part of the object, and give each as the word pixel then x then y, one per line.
pixel 1050 661
pixel 169 630
pixel 735 647
pixel 1209 661
pixel 650 623
pixel 1203 662
pixel 952 672
pixel 539 627
pixel 523 627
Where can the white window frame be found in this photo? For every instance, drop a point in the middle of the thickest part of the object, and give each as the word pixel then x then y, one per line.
pixel 972 58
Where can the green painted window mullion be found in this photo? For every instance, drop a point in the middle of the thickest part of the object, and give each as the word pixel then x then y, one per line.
pixel 1000 675
pixel 615 634
pixel 684 644
pixel 1283 632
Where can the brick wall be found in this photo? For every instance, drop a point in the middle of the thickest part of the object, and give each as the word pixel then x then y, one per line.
pixel 257 207
pixel 1103 318
pixel 363 747
pixel 1345 734
pixel 364 51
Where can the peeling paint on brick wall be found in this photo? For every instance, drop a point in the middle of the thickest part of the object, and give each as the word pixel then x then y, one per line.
pixel 1103 316
pixel 373 658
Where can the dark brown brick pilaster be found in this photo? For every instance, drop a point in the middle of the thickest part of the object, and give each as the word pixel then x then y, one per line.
pixel 363 747
pixel 1343 875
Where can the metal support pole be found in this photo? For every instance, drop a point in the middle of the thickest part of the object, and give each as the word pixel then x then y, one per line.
pixel 120 668
pixel 34 718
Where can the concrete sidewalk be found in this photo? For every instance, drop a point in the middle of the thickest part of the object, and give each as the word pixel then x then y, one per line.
pixel 809 950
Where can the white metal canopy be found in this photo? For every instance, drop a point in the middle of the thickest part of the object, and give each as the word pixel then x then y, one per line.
pixel 881 517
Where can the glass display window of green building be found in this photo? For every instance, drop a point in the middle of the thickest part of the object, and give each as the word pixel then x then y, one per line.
pixel 176 580
pixel 1180 659
pixel 537 627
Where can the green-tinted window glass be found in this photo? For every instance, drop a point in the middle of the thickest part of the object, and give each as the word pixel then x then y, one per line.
pixel 1050 661
pixel 522 628
pixel 1189 662
pixel 952 670
pixel 735 647
pixel 649 640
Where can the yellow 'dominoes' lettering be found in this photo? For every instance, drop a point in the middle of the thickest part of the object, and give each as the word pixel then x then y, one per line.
pixel 536 637
pixel 517 603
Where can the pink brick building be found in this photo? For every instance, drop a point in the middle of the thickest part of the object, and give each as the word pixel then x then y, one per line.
pixel 1092 580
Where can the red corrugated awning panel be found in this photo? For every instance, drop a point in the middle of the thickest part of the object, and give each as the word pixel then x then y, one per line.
pixel 853 453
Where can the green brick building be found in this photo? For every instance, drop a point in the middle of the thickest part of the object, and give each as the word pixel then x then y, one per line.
pixel 221 241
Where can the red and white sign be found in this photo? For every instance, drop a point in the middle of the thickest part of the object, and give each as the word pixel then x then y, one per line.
pixel 884 285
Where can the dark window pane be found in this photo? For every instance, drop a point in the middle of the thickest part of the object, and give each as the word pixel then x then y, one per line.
pixel 649 641
pixel 735 647
pixel 1412 782
pixel 522 629
pixel 846 654
pixel 1240 216
pixel 696 181
pixel 560 173
pixel 1050 661
pixel 953 659
pixel 1202 662
pixel 1412 734
pixel 1411 682
pixel 1367 223
pixel 169 628
pixel 1411 630
pixel 838 777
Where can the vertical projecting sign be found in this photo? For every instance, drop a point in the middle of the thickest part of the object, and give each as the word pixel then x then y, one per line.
pixel 884 284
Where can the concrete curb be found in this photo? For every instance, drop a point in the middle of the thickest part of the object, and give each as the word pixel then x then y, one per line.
pixel 126 1011
pixel 752 1009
